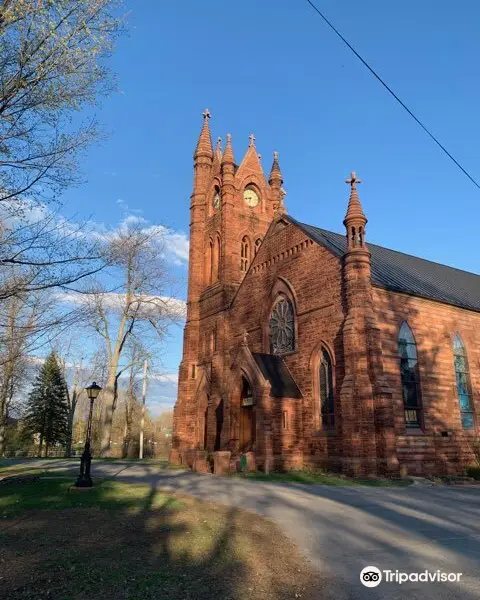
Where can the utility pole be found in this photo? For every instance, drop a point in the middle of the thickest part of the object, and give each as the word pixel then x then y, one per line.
pixel 144 395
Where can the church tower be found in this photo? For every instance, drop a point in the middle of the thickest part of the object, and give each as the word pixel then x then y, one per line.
pixel 231 208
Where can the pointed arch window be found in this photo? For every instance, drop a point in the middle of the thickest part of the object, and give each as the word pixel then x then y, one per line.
pixel 245 254
pixel 407 350
pixel 282 327
pixel 325 379
pixel 210 261
pixel 258 243
pixel 216 259
pixel 462 378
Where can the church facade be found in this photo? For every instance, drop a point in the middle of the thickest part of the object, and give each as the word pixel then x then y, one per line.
pixel 307 348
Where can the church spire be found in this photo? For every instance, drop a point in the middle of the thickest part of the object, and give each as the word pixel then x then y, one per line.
pixel 355 219
pixel 275 179
pixel 228 157
pixel 204 144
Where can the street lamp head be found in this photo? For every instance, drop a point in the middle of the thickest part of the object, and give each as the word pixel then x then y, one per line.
pixel 93 390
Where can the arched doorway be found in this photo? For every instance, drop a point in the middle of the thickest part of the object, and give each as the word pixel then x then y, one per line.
pixel 247 418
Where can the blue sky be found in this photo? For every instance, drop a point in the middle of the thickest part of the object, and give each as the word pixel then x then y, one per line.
pixel 275 69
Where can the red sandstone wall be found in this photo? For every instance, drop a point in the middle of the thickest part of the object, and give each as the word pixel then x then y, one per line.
pixel 315 277
pixel 434 326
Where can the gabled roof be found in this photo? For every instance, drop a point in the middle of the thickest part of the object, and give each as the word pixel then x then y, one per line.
pixel 275 371
pixel 408 274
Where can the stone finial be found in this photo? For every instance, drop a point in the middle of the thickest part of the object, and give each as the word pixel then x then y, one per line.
pixel 206 114
pixel 219 144
pixel 251 137
pixel 353 180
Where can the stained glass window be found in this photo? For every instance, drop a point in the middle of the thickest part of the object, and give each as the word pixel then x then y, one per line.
pixel 326 390
pixel 407 350
pixel 462 377
pixel 282 327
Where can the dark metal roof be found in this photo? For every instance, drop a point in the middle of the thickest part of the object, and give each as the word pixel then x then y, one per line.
pixel 275 371
pixel 409 274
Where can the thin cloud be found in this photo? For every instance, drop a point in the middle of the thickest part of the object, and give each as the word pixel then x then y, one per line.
pixel 173 308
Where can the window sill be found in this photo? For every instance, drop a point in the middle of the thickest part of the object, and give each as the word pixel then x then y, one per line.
pixel 414 431
pixel 284 354
pixel 468 432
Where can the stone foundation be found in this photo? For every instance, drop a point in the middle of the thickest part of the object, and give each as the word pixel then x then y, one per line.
pixel 221 463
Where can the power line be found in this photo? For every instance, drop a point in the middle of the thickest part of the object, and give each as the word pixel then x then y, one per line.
pixel 392 93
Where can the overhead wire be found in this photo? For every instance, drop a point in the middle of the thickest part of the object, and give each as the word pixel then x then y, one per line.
pixel 392 93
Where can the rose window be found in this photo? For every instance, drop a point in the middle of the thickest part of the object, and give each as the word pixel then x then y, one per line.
pixel 282 327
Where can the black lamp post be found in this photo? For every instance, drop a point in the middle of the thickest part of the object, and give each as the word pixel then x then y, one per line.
pixel 84 479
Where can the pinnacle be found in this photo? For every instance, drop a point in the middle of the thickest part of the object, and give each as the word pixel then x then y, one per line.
pixel 354 210
pixel 204 144
pixel 275 172
pixel 228 154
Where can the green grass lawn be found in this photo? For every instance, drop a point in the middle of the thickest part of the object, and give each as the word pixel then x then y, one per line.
pixel 53 492
pixel 131 542
pixel 318 477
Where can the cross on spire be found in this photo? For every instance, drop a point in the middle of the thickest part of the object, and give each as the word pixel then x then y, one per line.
pixel 353 180
pixel 219 143
pixel 251 137
pixel 206 114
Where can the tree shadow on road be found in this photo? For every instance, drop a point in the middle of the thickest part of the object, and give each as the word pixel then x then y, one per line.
pixel 157 546
pixel 345 529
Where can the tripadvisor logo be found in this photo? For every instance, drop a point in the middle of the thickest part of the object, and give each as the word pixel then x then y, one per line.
pixel 372 576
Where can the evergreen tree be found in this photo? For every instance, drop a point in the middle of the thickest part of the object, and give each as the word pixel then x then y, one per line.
pixel 47 407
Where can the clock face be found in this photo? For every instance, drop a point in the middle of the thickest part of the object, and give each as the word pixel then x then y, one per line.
pixel 216 200
pixel 251 197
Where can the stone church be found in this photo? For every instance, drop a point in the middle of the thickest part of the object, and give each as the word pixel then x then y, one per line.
pixel 308 348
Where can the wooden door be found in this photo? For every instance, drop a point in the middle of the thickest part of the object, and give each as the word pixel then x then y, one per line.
pixel 247 426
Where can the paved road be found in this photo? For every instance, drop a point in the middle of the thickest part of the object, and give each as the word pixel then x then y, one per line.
pixel 343 530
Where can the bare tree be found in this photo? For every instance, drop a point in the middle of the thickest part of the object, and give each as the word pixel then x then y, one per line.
pixel 44 250
pixel 137 355
pixel 72 361
pixel 19 320
pixel 51 65
pixel 29 322
pixel 134 310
